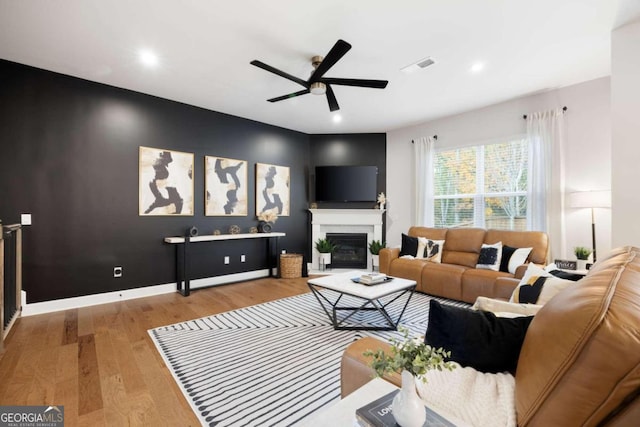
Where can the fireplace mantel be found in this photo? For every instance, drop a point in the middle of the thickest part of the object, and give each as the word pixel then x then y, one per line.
pixel 325 221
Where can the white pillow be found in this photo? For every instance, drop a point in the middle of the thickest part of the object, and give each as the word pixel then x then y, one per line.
pixel 518 258
pixel 431 250
pixel 538 286
pixel 505 309
pixel 490 257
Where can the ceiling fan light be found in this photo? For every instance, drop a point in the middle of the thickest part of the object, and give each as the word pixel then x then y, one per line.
pixel 318 88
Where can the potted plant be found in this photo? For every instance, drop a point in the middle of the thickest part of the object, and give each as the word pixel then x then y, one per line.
pixel 412 358
pixel 582 254
pixel 326 247
pixel 374 248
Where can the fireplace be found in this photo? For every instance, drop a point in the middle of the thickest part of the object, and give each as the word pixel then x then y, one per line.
pixel 351 251
pixel 343 221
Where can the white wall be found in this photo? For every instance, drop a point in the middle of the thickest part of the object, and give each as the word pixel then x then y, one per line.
pixel 587 157
pixel 625 106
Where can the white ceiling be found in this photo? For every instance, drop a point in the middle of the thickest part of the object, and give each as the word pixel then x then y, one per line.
pixel 205 48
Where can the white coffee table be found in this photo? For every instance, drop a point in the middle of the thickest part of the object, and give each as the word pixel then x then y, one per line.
pixel 330 290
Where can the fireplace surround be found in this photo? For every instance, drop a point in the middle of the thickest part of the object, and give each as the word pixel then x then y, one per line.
pixel 344 221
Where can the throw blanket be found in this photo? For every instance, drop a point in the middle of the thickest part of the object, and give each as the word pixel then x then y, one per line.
pixel 473 398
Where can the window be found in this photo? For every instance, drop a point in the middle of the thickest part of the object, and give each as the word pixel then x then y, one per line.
pixel 482 186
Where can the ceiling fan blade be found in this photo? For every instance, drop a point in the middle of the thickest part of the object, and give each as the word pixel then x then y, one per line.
pixel 287 76
pixel 331 99
pixel 291 95
pixel 375 84
pixel 337 51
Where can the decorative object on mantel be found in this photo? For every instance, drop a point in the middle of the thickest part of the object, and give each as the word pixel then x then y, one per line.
pixel 216 232
pixel 326 247
pixel 192 232
pixel 266 219
pixel 313 205
pixel 382 200
pixel 374 248
pixel 234 229
pixel 582 254
pixel 253 230
pixel 413 358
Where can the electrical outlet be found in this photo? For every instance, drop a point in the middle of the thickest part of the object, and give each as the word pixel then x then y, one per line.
pixel 284 251
pixel 226 260
pixel 243 258
pixel 117 271
pixel 25 219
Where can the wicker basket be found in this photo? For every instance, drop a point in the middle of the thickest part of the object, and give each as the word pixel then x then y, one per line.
pixel 290 266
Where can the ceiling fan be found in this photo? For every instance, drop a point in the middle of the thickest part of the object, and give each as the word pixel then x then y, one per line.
pixel 319 85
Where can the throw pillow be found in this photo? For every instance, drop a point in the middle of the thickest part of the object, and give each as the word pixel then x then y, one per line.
pixel 500 307
pixel 478 339
pixel 409 245
pixel 433 250
pixel 490 256
pixel 538 286
pixel 512 258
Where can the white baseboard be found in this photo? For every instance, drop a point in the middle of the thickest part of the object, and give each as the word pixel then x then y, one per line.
pixel 127 294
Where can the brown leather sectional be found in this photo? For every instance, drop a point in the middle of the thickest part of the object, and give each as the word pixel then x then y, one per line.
pixel 580 360
pixel 456 277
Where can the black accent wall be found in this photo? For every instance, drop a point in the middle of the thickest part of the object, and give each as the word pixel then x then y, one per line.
pixel 70 158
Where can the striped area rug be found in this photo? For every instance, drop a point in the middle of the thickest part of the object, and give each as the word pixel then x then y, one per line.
pixel 271 364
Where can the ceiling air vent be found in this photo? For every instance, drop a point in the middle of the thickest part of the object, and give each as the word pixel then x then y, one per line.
pixel 423 63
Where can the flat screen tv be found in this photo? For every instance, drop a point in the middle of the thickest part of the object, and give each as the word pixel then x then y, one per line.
pixel 346 183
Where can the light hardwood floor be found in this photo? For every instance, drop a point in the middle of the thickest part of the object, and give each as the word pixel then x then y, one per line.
pixel 100 363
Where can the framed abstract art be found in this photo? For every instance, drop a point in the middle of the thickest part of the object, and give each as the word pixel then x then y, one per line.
pixel 225 186
pixel 165 182
pixel 272 189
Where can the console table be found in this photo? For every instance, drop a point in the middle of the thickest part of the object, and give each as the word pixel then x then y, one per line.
pixel 182 252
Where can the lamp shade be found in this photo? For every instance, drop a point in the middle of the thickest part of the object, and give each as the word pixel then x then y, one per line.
pixel 590 199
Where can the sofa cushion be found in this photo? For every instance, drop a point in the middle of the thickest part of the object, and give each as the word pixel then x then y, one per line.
pixel 409 246
pixel 444 280
pixel 580 358
pixel 512 258
pixel 462 246
pixel 537 240
pixel 478 339
pixel 490 256
pixel 431 250
pixel 538 286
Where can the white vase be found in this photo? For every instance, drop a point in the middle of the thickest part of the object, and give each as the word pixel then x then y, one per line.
pixel 408 409
pixel 325 258
pixel 375 262
pixel 381 206
pixel 581 264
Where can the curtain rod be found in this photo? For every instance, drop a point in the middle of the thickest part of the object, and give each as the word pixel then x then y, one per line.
pixel 563 110
pixel 434 137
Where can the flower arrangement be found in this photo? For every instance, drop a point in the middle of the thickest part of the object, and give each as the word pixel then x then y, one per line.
pixel 382 199
pixel 268 216
pixel 409 354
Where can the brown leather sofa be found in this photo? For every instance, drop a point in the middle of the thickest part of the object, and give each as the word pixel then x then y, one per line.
pixel 456 277
pixel 580 360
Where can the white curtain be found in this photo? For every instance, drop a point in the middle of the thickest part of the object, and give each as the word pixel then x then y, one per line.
pixel 423 150
pixel 546 135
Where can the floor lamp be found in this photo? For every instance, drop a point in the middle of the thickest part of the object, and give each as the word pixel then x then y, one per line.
pixel 591 200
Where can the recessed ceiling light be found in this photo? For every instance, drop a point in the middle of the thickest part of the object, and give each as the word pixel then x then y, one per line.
pixel 477 67
pixel 337 118
pixel 148 58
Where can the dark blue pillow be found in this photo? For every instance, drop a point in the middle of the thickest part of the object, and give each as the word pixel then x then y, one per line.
pixel 478 339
